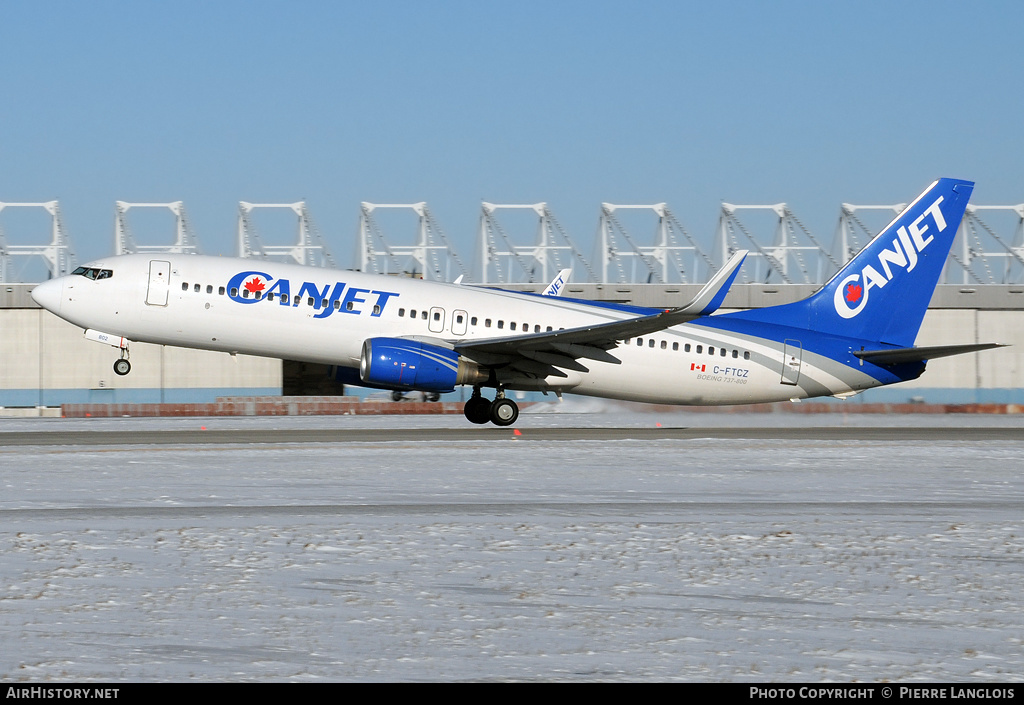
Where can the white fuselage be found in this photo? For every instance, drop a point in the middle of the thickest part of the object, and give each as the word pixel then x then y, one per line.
pixel 202 302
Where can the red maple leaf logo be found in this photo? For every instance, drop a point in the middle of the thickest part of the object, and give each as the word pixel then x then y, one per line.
pixel 853 292
pixel 255 286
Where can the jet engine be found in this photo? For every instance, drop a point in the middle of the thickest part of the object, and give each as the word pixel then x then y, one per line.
pixel 397 363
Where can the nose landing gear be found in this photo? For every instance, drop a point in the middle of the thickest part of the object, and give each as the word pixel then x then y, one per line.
pixel 122 366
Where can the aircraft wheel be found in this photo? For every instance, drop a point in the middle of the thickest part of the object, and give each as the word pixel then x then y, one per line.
pixel 397 395
pixel 504 412
pixel 478 410
pixel 122 367
pixel 432 396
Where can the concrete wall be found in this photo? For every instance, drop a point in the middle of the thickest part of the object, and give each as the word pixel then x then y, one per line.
pixel 45 361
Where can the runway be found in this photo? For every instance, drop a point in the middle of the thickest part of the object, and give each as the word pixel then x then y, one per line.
pixel 589 547
pixel 387 434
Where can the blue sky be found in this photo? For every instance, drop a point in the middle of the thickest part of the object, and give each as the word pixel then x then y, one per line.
pixel 573 103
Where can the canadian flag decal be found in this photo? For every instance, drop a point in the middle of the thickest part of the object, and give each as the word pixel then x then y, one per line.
pixel 694 367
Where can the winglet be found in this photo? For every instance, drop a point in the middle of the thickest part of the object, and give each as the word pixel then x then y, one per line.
pixel 710 298
pixel 557 284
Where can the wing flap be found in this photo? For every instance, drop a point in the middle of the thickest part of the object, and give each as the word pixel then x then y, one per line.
pixel 555 360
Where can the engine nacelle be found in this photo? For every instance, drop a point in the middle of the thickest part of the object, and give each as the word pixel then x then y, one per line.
pixel 397 363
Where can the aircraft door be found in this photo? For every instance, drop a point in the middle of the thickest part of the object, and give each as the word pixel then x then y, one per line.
pixel 159 281
pixel 436 322
pixel 792 354
pixel 460 321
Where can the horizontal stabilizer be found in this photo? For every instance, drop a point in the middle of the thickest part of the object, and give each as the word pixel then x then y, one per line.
pixel 896 356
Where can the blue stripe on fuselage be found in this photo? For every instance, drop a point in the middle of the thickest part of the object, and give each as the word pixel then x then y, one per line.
pixel 834 347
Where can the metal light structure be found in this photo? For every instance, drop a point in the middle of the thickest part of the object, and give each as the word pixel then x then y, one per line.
pixel 431 255
pixel 851 231
pixel 665 262
pixel 309 249
pixel 552 250
pixel 58 255
pixel 784 257
pixel 981 254
pixel 184 240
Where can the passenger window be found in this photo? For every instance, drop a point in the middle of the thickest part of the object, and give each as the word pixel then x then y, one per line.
pixel 221 291
pixel 700 349
pixel 487 323
pixel 401 313
pixel 686 348
pixel 639 342
pixel 412 313
pixel 309 301
pixel 337 304
pixel 722 352
pixel 458 319
pixel 512 325
pixel 650 343
pixel 664 345
pixel 735 354
pixel 297 300
pixel 472 321
pixel 423 315
pixel 245 293
pixel 324 303
pixel 209 288
pixel 376 309
pixel 437 316
pixel 711 350
pixel 501 324
pixel 549 329
pixel 350 306
pixel 675 346
pixel 536 329
pixel 184 286
pixel 746 354
pixel 258 295
pixel 196 289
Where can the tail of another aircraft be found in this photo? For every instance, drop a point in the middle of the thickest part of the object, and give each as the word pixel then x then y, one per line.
pixel 882 293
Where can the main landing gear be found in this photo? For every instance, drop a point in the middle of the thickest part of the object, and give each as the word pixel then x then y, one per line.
pixel 500 412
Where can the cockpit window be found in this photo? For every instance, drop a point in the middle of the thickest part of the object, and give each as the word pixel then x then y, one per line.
pixel 94 273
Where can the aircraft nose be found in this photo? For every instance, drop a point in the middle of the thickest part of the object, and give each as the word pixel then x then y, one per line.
pixel 49 294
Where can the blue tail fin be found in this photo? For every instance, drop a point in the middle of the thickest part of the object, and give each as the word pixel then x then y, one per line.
pixel 882 293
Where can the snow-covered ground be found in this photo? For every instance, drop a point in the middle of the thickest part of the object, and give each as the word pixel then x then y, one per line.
pixel 716 560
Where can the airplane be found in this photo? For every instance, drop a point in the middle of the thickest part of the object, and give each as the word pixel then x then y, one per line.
pixel 857 332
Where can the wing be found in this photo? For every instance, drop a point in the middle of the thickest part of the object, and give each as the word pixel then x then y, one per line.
pixel 543 353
